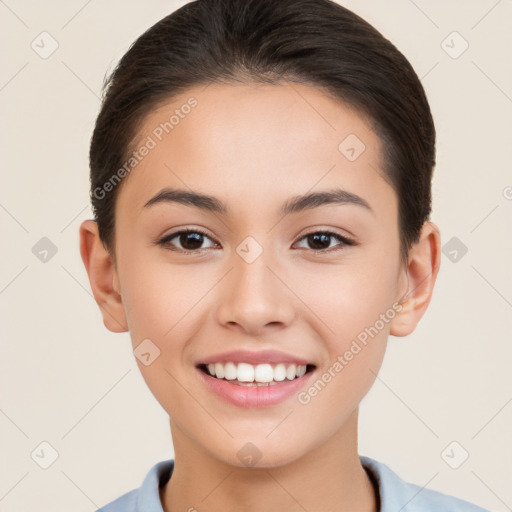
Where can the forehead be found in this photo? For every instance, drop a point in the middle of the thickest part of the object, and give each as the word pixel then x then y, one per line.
pixel 251 143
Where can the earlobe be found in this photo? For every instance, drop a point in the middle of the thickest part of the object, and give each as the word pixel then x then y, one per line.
pixel 421 272
pixel 102 277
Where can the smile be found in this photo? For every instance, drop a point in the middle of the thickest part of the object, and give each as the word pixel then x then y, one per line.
pixel 246 374
pixel 254 385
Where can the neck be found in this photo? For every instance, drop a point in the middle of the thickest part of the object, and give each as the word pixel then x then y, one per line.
pixel 329 478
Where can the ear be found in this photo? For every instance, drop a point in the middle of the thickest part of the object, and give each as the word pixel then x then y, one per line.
pixel 102 277
pixel 419 277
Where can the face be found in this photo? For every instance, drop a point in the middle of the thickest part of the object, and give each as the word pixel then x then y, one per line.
pixel 316 284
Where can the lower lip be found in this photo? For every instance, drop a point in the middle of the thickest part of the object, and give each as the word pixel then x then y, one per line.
pixel 254 396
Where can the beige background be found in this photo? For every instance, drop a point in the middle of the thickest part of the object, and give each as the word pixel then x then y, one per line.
pixel 68 381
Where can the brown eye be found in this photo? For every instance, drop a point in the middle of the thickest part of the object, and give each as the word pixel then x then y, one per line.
pixel 189 240
pixel 192 240
pixel 321 240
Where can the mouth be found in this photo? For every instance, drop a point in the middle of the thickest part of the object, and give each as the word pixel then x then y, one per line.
pixel 259 375
pixel 249 379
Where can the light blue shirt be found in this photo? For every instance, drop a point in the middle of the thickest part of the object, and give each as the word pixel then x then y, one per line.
pixel 396 495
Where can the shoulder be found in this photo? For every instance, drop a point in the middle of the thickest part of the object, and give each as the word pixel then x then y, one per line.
pixel 146 498
pixel 397 494
pixel 125 503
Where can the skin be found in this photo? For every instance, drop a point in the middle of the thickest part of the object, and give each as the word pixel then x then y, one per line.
pixel 254 147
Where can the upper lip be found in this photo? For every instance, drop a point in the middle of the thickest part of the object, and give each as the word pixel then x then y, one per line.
pixel 252 357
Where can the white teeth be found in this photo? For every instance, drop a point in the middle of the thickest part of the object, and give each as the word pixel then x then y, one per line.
pixel 244 372
pixel 264 373
pixel 219 370
pixel 261 373
pixel 230 371
pixel 280 372
pixel 291 372
pixel 301 370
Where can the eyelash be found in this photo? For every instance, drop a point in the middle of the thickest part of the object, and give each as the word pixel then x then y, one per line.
pixel 165 242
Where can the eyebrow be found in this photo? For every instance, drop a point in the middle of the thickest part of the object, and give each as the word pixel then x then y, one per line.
pixel 294 204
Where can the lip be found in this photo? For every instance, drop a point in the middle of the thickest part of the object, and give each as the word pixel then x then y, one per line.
pixel 254 396
pixel 259 357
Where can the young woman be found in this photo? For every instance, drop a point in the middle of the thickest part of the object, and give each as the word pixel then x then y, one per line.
pixel 261 183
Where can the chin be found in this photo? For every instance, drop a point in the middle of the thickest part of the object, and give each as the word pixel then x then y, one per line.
pixel 258 451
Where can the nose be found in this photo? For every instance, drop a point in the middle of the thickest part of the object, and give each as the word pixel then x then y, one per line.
pixel 254 297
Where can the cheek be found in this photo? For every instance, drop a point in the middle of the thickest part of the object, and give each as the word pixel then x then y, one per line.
pixel 167 305
pixel 159 299
pixel 349 297
pixel 355 307
pixel 354 302
pixel 161 304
